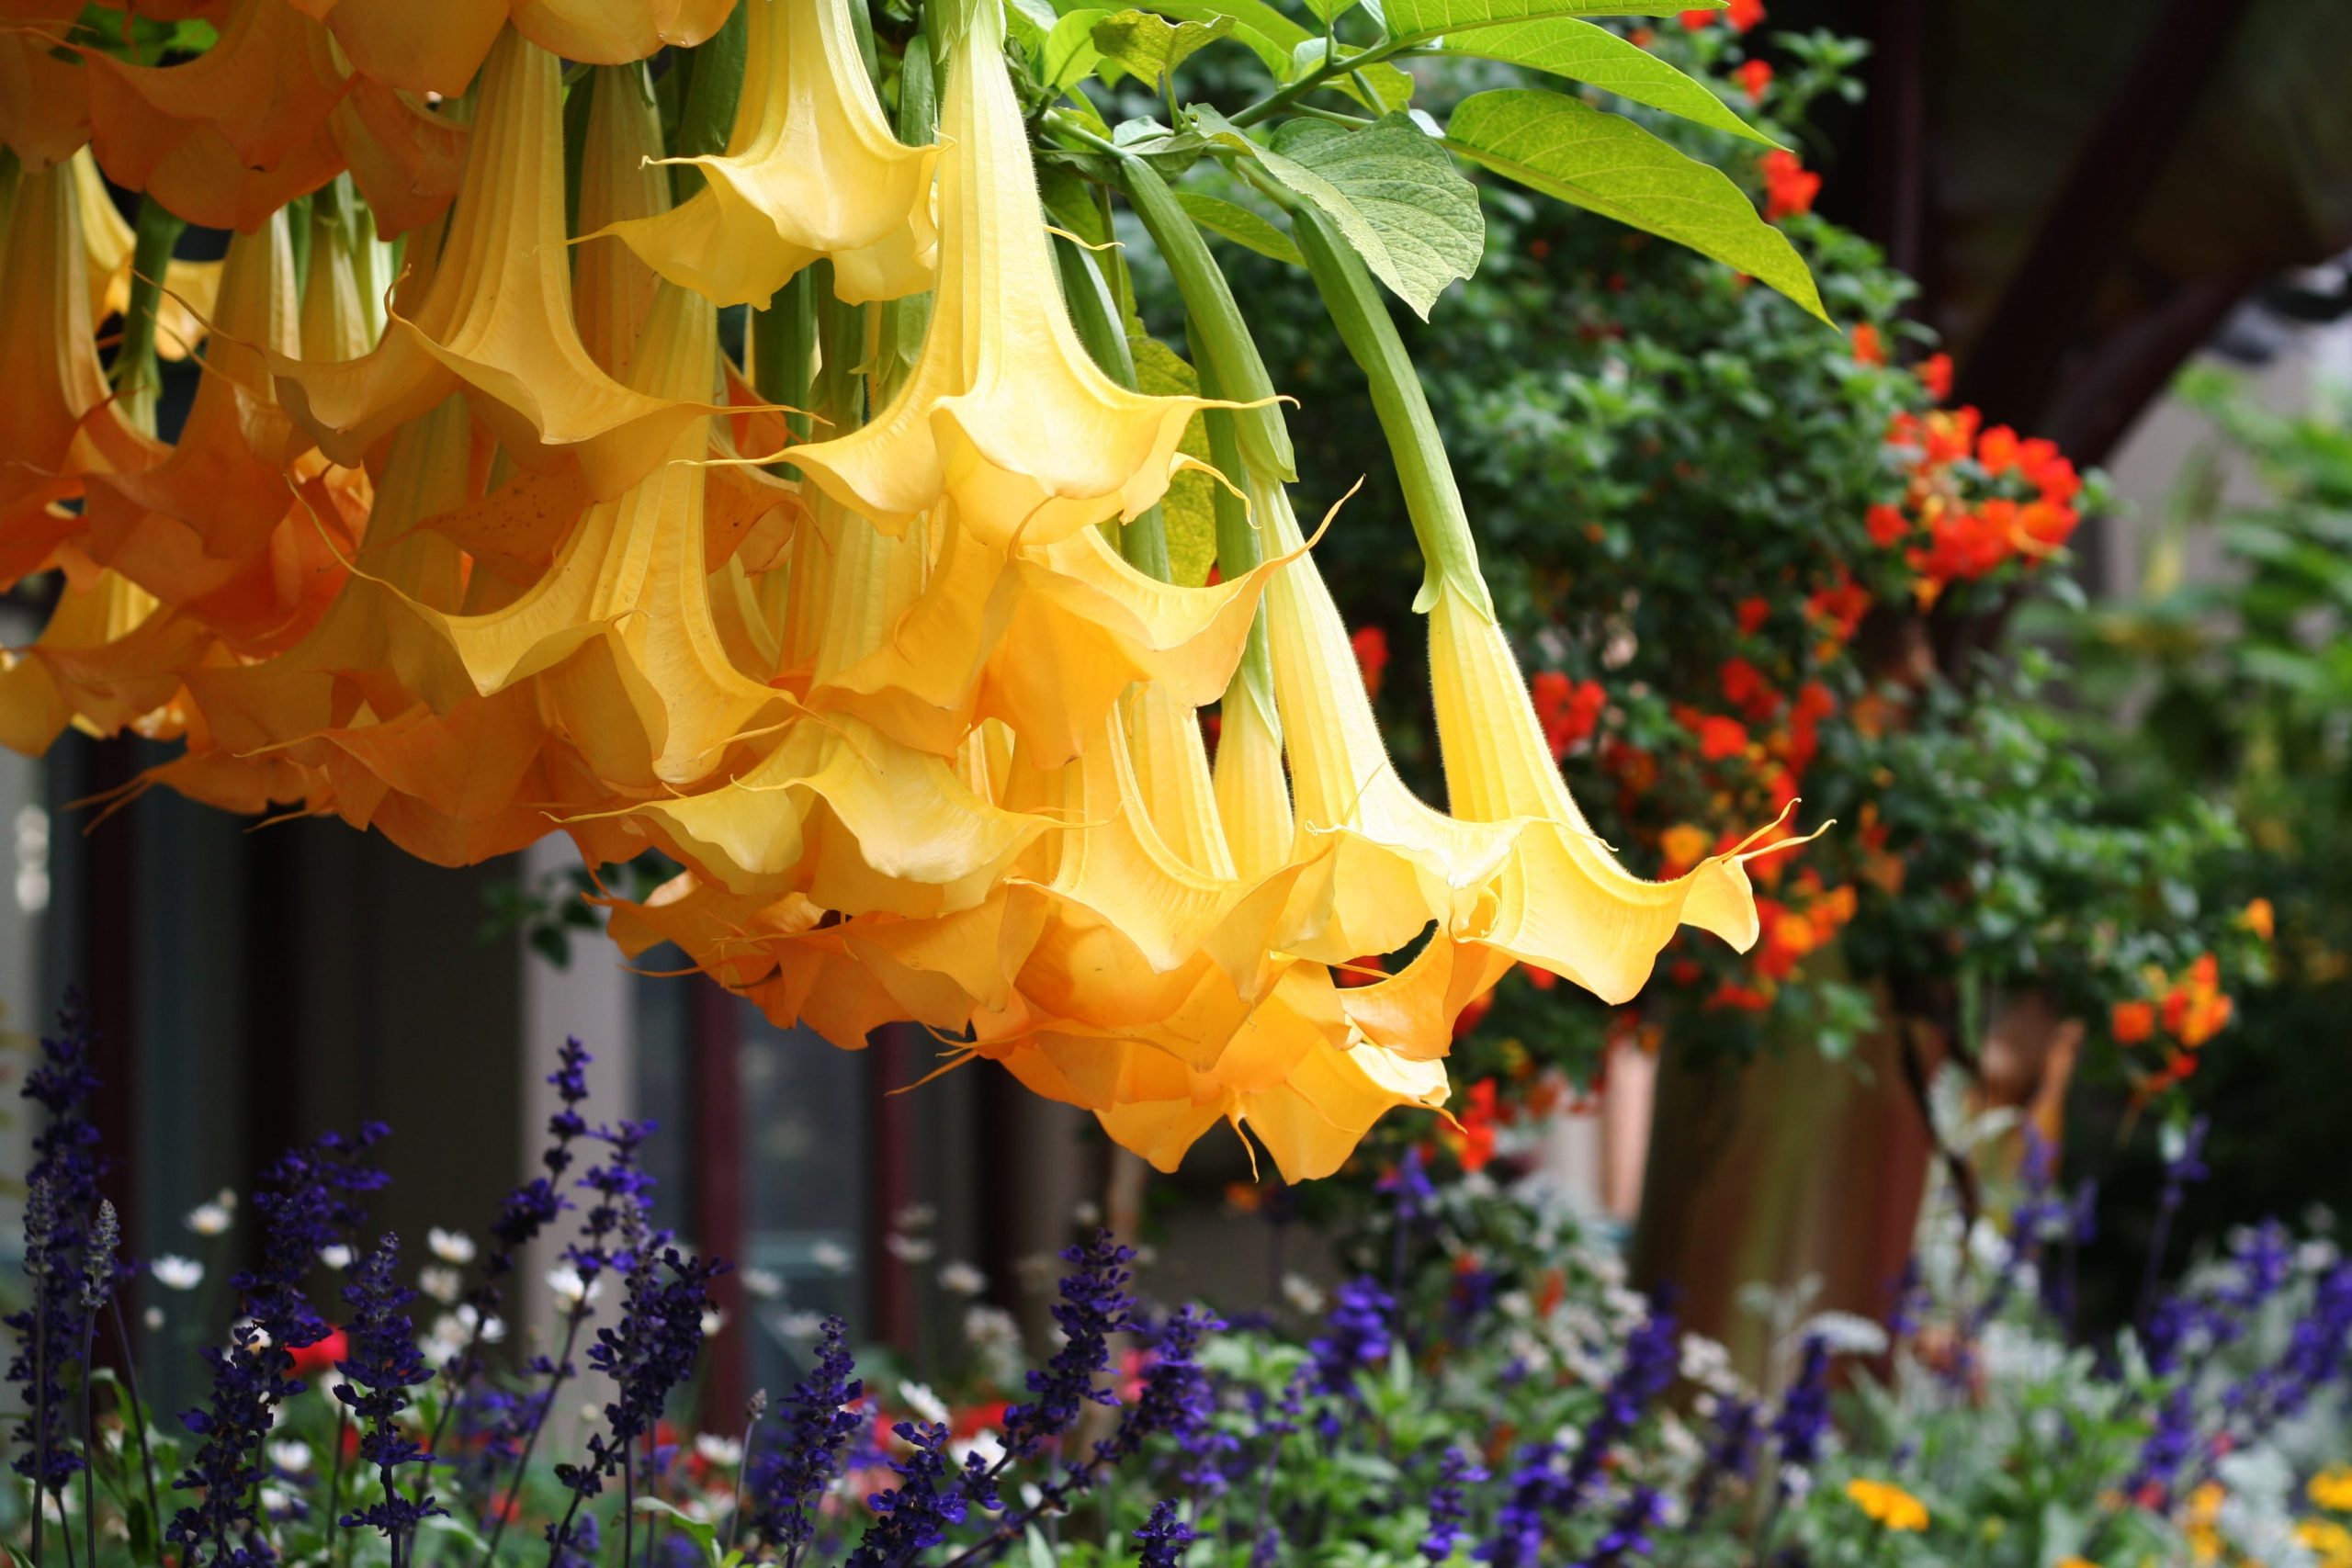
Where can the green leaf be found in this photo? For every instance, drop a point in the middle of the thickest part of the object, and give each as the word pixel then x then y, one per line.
pixel 1553 143
pixel 1152 47
pixel 1329 11
pixel 704 1533
pixel 1582 52
pixel 1070 50
pixel 1240 225
pixel 1429 18
pixel 1276 40
pixel 1393 193
pixel 1030 16
pixel 1190 504
pixel 1391 85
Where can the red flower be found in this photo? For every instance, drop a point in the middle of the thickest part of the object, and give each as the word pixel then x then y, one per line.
pixel 1372 655
pixel 1746 998
pixel 1542 979
pixel 1746 689
pixel 1568 710
pixel 1720 737
pixel 1789 187
pixel 1935 374
pixel 2132 1022
pixel 1996 449
pixel 1887 524
pixel 1754 77
pixel 313 1359
pixel 1870 348
pixel 1478 1118
pixel 1742 15
pixel 1753 614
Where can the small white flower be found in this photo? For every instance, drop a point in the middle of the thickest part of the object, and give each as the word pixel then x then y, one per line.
pixel 450 1247
pixel 277 1501
pixel 916 1217
pixel 1845 1333
pixel 994 1335
pixel 1300 1292
pixel 713 1320
pixel 250 1335
pixel 592 1411
pixel 724 1452
pixel 444 1285
pixel 1703 1358
pixel 918 1399
pixel 960 1278
pixel 209 1219
pixel 800 1325
pixel 336 1256
pixel 832 1256
pixel 291 1458
pixel 569 1290
pixel 1086 1212
pixel 177 1273
pixel 910 1249
pixel 985 1443
pixel 761 1284
pixel 494 1327
pixel 153 1318
pixel 1146 1255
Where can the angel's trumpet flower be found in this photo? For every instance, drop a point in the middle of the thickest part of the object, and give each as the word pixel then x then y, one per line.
pixel 216 528
pixel 189 287
pixel 436 46
pixel 56 421
pixel 109 657
pixel 1560 901
pixel 810 170
pixel 621 180
pixel 44 99
pixel 231 136
pixel 497 319
pixel 1005 412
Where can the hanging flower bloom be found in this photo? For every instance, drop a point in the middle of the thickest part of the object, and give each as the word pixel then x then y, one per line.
pixel 1004 414
pixel 810 171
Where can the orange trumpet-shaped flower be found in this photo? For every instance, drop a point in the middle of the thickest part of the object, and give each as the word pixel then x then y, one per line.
pixel 216 528
pixel 810 171
pixel 109 657
pixel 497 318
pixel 44 99
pixel 56 421
pixel 436 46
pixel 1005 412
pixel 232 135
pixel 189 287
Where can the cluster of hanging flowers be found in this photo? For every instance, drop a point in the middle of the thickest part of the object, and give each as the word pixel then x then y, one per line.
pixel 867 626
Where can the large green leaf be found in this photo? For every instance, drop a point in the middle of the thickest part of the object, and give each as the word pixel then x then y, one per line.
pixel 1238 224
pixel 1583 52
pixel 1553 143
pixel 1151 46
pixel 1070 50
pixel 1393 192
pixel 1429 18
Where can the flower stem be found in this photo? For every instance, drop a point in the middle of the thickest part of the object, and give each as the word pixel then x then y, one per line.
pixel 572 1321
pixel 139 1420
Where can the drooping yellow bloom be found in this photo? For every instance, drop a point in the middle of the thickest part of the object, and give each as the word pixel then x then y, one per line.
pixel 1560 900
pixel 56 421
pixel 1004 414
pixel 44 99
pixel 109 655
pixel 497 319
pixel 612 289
pixel 1888 1504
pixel 810 171
pixel 189 287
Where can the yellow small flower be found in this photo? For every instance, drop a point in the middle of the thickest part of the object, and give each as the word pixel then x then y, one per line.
pixel 2328 1540
pixel 2261 919
pixel 2331 1489
pixel 1888 1504
pixel 2076 1562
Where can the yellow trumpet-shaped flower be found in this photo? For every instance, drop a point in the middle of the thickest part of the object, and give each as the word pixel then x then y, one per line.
pixel 611 288
pixel 1397 864
pixel 497 318
pixel 810 170
pixel 216 528
pixel 109 655
pixel 56 421
pixel 1560 901
pixel 190 286
pixel 1003 413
